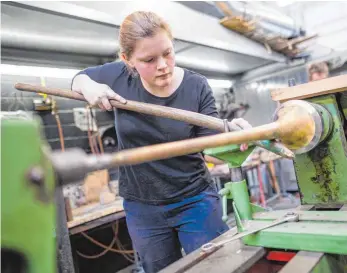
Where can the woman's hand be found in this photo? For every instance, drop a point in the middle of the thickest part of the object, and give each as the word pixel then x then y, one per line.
pixel 239 124
pixel 95 93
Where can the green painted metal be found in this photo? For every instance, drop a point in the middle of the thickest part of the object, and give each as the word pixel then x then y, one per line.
pixel 226 194
pixel 240 195
pixel 326 237
pixel 327 121
pixel 256 208
pixel 322 172
pixel 230 154
pixel 304 215
pixel 27 209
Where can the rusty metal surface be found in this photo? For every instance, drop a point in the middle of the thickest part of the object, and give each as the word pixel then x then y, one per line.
pixel 321 173
pixel 232 258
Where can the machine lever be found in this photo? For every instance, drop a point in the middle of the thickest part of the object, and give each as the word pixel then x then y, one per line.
pixel 289 217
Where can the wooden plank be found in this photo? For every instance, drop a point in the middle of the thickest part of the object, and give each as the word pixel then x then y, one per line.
pixel 96 212
pixel 69 216
pixel 311 89
pixel 97 222
pixel 303 262
pixel 231 258
pixel 305 207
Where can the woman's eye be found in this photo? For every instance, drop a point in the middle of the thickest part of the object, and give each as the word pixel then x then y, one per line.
pixel 149 60
pixel 167 53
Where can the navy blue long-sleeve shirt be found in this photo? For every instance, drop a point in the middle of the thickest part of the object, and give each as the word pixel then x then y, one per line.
pixel 163 181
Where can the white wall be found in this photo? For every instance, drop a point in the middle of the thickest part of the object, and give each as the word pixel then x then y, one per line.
pixel 327 19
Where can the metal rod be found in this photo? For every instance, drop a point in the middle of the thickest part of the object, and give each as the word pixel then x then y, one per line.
pixel 72 164
pixel 183 147
pixel 294 127
pixel 160 111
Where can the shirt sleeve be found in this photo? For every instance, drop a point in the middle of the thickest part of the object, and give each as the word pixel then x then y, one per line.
pixel 105 74
pixel 207 106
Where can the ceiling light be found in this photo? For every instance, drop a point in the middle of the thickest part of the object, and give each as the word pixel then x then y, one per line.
pixel 65 73
pixel 254 85
pixel 220 83
pixel 284 3
pixel 37 71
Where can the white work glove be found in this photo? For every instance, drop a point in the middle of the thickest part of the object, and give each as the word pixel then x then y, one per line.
pixel 95 93
pixel 238 124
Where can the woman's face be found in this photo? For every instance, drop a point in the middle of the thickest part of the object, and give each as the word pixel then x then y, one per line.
pixel 154 59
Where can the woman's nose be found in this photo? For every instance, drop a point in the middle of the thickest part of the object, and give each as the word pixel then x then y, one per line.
pixel 161 63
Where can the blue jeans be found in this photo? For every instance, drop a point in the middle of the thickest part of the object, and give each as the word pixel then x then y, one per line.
pixel 159 232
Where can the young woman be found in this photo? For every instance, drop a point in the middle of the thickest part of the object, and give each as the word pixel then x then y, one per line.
pixel 170 203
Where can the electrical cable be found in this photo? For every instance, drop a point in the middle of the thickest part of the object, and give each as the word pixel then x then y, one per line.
pixel 60 131
pixel 93 143
pixel 89 133
pixel 97 134
pixel 104 251
pixel 107 248
pixel 101 253
pixel 121 247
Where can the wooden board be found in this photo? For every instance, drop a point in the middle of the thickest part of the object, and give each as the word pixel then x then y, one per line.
pixel 311 89
pixel 231 258
pixel 108 219
pixel 94 211
pixel 303 262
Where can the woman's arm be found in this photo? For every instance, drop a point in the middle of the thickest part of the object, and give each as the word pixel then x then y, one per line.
pixel 94 84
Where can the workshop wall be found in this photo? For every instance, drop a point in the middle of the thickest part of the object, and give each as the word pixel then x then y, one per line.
pixel 13 100
pixel 257 93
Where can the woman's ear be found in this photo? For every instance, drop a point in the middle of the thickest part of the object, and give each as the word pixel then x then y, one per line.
pixel 126 60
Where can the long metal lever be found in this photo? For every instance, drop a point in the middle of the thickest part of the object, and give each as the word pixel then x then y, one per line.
pixel 289 217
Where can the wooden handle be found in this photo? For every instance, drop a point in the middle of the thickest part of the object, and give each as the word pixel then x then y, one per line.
pixel 145 108
pixel 160 111
pixel 183 147
pixel 294 126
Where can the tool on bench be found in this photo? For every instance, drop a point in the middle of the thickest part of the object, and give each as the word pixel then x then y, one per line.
pixel 289 217
pixel 161 111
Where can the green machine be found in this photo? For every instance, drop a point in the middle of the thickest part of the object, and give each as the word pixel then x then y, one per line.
pixel 28 214
pixel 316 231
pixel 318 228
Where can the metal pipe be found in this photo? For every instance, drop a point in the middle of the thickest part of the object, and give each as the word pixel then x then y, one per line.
pixel 73 163
pixel 295 126
pixel 161 111
pixel 239 191
pixel 57 43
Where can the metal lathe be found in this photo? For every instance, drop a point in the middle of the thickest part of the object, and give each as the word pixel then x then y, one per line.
pixel 310 121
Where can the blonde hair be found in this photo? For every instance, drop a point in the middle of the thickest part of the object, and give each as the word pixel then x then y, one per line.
pixel 137 26
pixel 321 68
